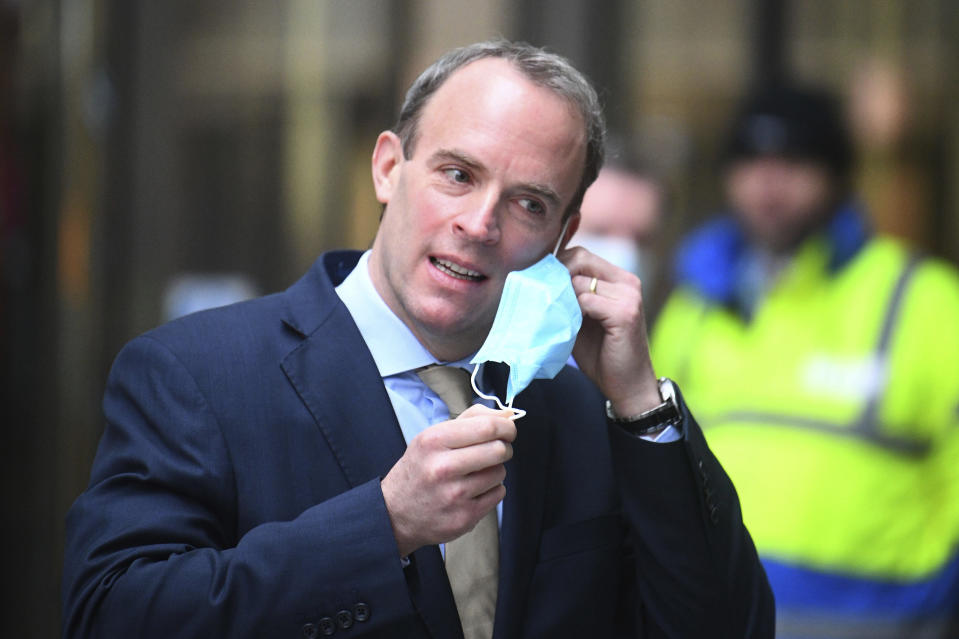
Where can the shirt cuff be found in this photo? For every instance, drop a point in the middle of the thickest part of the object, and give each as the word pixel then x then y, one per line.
pixel 668 434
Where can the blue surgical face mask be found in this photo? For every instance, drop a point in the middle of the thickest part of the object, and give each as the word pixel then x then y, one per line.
pixel 535 325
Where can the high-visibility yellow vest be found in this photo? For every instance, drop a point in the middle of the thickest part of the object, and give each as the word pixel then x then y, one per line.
pixel 835 411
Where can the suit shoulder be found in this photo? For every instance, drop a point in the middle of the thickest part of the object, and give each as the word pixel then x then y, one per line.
pixel 220 323
pixel 233 335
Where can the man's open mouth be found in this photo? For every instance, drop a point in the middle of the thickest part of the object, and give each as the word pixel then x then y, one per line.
pixel 457 271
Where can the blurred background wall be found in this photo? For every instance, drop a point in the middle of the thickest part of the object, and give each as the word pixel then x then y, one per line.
pixel 154 151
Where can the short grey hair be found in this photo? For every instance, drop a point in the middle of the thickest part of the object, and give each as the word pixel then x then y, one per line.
pixel 546 69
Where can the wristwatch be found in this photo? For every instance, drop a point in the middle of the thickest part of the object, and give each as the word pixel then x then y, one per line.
pixel 655 419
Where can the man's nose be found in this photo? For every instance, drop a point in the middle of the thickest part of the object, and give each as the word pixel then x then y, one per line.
pixel 480 221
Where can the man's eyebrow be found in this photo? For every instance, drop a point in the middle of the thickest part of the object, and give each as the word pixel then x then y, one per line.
pixel 456 156
pixel 543 191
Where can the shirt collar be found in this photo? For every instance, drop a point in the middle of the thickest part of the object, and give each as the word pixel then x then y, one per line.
pixel 394 347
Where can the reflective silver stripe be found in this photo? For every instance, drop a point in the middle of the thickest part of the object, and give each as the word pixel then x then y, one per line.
pixel 868 422
pixel 794 625
pixel 902 445
pixel 895 304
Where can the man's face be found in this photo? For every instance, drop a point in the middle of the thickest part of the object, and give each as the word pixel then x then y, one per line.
pixel 621 204
pixel 495 164
pixel 779 200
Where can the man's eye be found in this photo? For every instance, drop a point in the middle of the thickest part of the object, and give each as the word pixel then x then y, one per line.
pixel 457 175
pixel 533 206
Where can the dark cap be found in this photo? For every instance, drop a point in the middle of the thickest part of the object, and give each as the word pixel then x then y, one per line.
pixel 795 122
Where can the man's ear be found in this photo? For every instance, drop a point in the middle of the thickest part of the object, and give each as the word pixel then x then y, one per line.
pixel 387 156
pixel 571 227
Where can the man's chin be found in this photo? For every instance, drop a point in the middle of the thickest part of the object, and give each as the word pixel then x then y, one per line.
pixel 454 336
pixel 774 238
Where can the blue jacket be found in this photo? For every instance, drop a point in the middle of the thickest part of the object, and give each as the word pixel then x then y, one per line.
pixel 236 492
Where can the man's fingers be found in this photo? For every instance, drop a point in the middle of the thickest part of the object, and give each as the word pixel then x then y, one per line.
pixel 474 509
pixel 478 410
pixel 451 474
pixel 477 425
pixel 483 481
pixel 487 500
pixel 626 290
pixel 481 456
pixel 468 460
pixel 580 261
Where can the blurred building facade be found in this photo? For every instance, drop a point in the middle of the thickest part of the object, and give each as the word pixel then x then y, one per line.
pixel 147 140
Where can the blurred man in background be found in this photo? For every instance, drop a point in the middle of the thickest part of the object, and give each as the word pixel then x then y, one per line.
pixel 621 216
pixel 822 361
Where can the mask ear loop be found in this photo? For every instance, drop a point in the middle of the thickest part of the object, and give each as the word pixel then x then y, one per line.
pixel 517 412
pixel 562 234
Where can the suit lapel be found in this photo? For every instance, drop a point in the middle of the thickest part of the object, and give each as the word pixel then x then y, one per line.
pixel 335 376
pixel 526 479
pixel 432 594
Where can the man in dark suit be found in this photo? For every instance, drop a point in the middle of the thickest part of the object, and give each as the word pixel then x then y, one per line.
pixel 278 468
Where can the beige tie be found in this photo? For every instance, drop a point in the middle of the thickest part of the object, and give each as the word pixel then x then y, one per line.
pixel 472 560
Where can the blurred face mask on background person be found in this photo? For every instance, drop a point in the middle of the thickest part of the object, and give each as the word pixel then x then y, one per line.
pixel 619 251
pixel 620 218
pixel 535 326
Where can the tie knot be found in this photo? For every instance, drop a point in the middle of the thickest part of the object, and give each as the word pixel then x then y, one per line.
pixel 451 383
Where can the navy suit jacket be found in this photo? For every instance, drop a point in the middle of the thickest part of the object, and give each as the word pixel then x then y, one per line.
pixel 236 493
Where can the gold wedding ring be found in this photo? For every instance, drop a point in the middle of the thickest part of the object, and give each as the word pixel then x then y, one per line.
pixel 592 285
